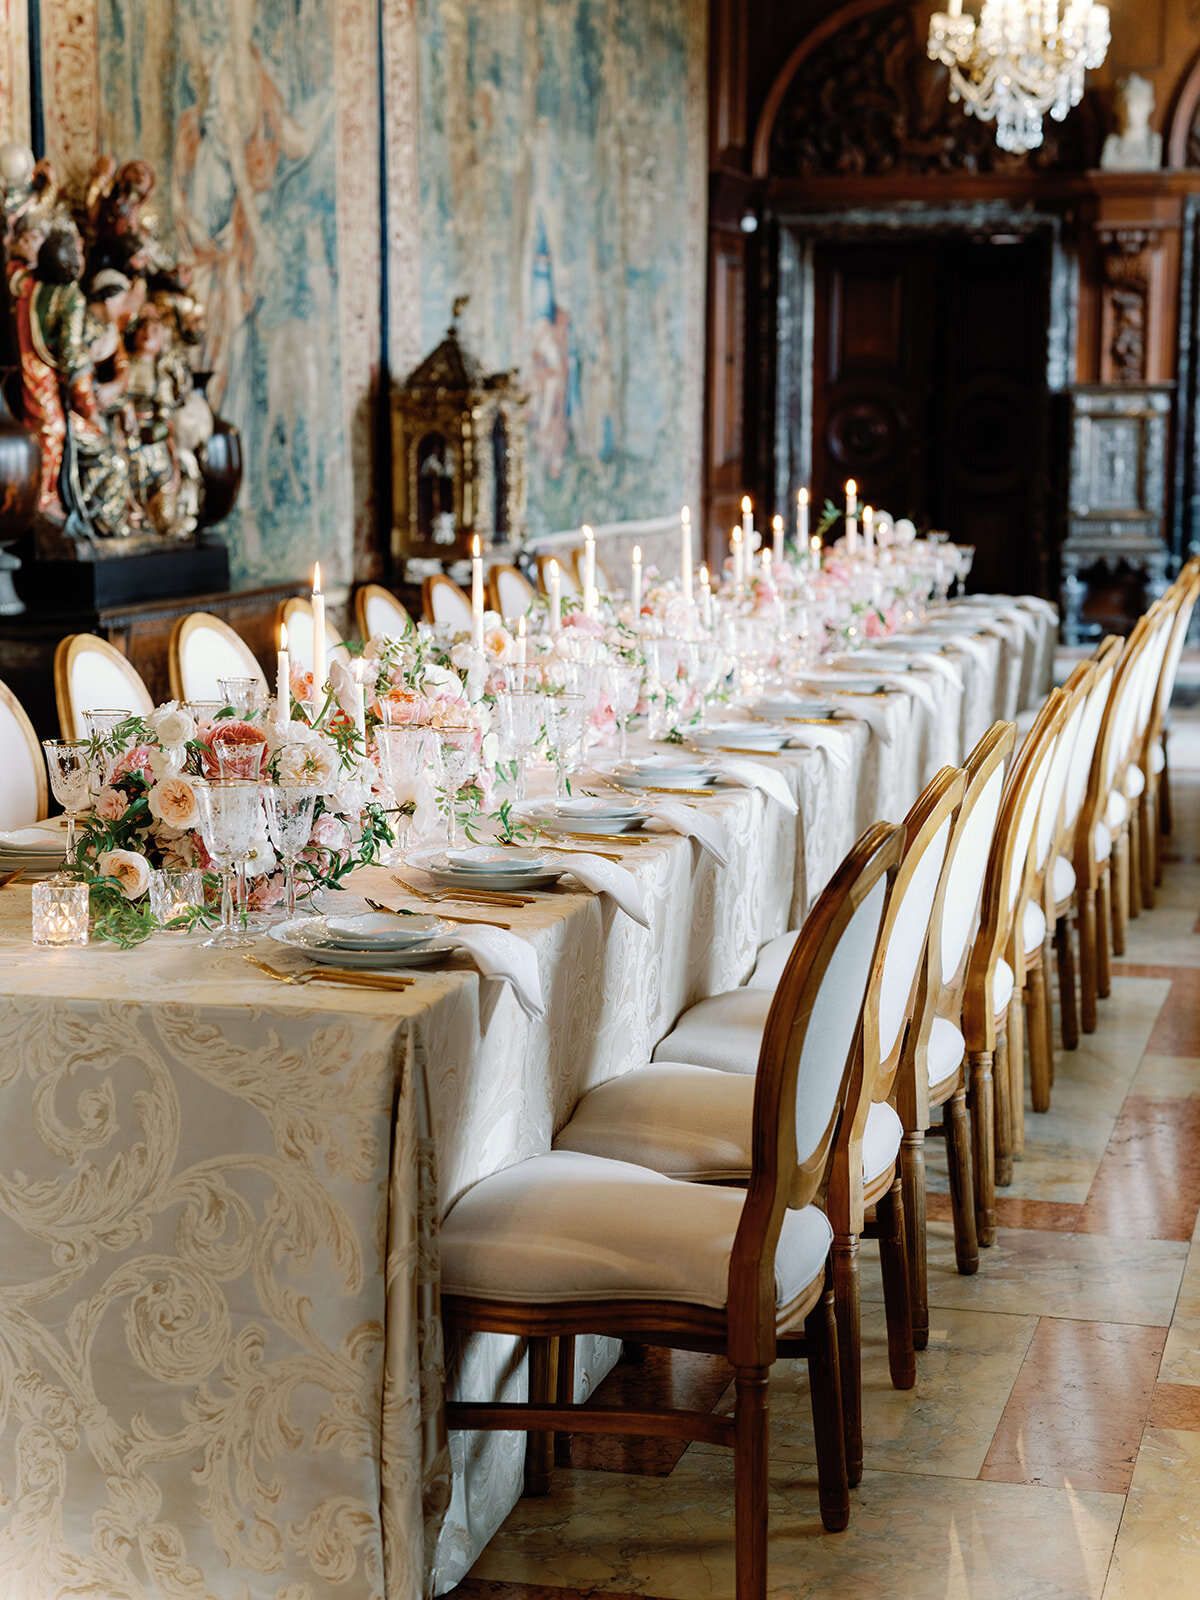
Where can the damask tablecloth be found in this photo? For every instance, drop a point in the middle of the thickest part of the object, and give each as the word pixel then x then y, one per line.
pixel 221 1370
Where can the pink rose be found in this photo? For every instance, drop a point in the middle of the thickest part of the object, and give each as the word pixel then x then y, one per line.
pixel 133 763
pixel 267 892
pixel 330 833
pixel 585 624
pixel 111 804
pixel 302 687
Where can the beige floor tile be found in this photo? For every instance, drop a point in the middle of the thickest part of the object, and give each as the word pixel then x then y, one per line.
pixel 945 1425
pixel 1181 1358
pixel 910 1538
pixel 1157 1554
pixel 1048 1274
pixel 1168 1078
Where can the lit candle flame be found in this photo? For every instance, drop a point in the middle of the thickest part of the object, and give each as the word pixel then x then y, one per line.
pixel 745 502
pixel 317 578
pixel 851 487
pixel 685 516
pixel 802 497
pixel 703 574
pixel 475 547
pixel 637 554
pixel 283 635
pixel 776 523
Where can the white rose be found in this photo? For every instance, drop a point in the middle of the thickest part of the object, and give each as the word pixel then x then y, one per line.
pixel 131 871
pixel 173 801
pixel 441 681
pixel 311 765
pixel 260 858
pixel 462 655
pixel 166 761
pixel 345 689
pixel 172 724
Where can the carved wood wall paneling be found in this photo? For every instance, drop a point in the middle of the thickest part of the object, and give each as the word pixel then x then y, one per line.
pixel 1126 256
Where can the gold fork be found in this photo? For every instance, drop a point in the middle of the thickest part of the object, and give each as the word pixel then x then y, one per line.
pixel 486 922
pixel 479 897
pixel 353 980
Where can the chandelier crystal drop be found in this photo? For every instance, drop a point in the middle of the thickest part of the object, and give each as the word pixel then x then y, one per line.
pixel 1019 61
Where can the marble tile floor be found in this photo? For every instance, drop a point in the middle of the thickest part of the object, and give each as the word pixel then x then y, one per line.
pixel 1051 1447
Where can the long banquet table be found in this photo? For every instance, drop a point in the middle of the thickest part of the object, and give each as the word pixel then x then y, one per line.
pixel 221 1364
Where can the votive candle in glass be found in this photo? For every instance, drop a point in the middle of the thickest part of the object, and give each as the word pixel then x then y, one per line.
pixel 60 913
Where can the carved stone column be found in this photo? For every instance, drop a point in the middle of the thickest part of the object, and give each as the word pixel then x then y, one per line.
pixel 1126 256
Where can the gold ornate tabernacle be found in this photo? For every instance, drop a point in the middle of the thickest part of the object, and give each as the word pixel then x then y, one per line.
pixel 458 452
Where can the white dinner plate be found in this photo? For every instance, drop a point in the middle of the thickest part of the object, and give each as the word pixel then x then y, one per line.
pixel 544 815
pixel 297 934
pixel 669 767
pixel 381 930
pixel 748 736
pixel 794 708
pixel 588 808
pixel 857 683
pixel 890 660
pixel 432 861
pixel 32 842
pixel 494 860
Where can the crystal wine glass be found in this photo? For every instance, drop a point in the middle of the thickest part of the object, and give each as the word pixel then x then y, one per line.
pixel 623 686
pixel 459 750
pixel 521 715
pixel 289 812
pixel 243 694
pixel 228 809
pixel 70 768
pixel 566 717
pixel 406 754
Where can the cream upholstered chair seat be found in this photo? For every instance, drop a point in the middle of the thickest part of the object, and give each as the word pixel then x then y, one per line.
pixel 1063 881
pixel 724 1031
pixel 379 613
pixel 1102 841
pixel 1002 987
pixel 1135 783
pixel 23 797
pixel 947 1047
pixel 511 590
pixel 565 1226
pixel 1116 812
pixel 444 602
pixel 693 1123
pixel 1033 926
pixel 1158 759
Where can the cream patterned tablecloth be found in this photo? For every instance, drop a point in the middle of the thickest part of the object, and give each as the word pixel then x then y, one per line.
pixel 221 1370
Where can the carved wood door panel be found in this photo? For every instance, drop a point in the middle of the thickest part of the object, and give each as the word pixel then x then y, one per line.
pixel 929 389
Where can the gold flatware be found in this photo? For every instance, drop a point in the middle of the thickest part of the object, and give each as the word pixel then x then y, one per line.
pixel 568 850
pixel 353 980
pixel 480 897
pixel 11 877
pixel 620 840
pixel 485 922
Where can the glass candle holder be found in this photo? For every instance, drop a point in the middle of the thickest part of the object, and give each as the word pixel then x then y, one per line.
pixel 60 913
pixel 173 894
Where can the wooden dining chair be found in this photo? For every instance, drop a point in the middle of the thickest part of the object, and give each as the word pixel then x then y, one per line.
pixel 931 1075
pixel 723 1035
pixel 444 602
pixel 1113 756
pixel 296 615
pixel 1151 756
pixel 1063 894
pixel 1037 924
pixel 991 997
pixel 1190 573
pixel 510 593
pixel 202 651
pixel 90 675
pixel 567 585
pixel 567 1243
pixel 24 797
pixel 378 614
pixel 1133 786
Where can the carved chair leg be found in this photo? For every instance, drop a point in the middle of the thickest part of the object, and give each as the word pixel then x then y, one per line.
pixel 1104 919
pixel 1002 1111
pixel 849 1337
pixel 1012 1042
pixel 962 1196
pixel 1134 833
pixel 566 1395
pixel 983 1161
pixel 912 1174
pixel 1047 990
pixel 893 1260
pixel 1035 1032
pixel 1119 873
pixel 539 1447
pixel 1165 820
pixel 1065 953
pixel 825 1393
pixel 1085 918
pixel 751 1420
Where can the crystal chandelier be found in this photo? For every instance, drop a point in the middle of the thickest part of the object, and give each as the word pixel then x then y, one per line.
pixel 1019 61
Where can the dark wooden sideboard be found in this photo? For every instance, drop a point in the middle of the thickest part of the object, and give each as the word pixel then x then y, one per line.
pixel 141 631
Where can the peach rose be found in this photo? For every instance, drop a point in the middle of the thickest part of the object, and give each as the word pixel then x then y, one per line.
pixel 131 871
pixel 173 801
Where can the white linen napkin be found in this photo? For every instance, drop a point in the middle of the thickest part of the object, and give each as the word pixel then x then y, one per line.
pixel 827 740
pixel 753 775
pixel 1034 602
pixel 967 645
pixel 606 877
pixel 502 955
pixel 923 659
pixel 693 824
pixel 863 708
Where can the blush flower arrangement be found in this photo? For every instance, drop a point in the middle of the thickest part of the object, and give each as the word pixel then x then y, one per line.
pixel 145 814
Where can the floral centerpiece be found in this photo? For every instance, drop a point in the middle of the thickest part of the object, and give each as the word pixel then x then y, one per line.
pixel 146 815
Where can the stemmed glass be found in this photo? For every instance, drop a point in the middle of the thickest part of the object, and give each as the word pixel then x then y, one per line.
pixel 566 717
pixel 459 750
pixel 70 767
pixel 521 715
pixel 100 723
pixel 623 686
pixel 406 754
pixel 242 694
pixel 289 824
pixel 229 810
pixel 239 756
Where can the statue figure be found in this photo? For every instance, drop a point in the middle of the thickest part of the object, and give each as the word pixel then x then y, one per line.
pixel 1135 147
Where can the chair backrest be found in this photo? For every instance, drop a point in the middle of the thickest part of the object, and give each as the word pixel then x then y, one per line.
pixel 1105 662
pixel 804 1067
pixel 966 865
pixel 23 791
pixel 297 615
pixel 566 575
pixel 1048 829
pixel 1114 745
pixel 1188 583
pixel 509 590
pixel 89 674
pixel 379 614
pixel 928 829
pixel 442 601
pixel 1009 866
pixel 203 650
